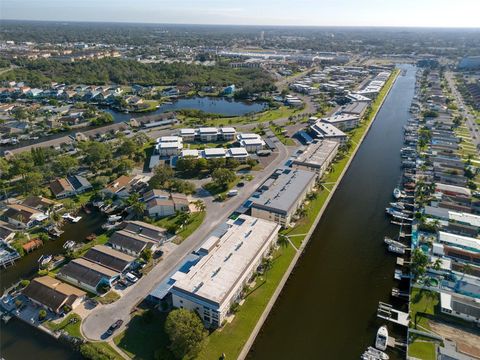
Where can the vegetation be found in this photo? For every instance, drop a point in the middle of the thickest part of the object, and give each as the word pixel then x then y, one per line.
pixel 164 179
pixel 186 333
pixel 71 324
pixel 182 224
pixel 99 351
pixel 108 298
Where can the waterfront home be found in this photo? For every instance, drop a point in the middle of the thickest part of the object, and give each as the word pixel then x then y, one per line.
pixel 461 307
pixel 42 203
pixel 110 258
pixel 454 216
pixel 161 203
pixel 87 275
pixel 343 122
pixel 152 232
pixel 126 184
pixel 357 108
pixel 232 253
pixel 22 216
pixel 69 186
pixel 131 243
pixel 316 157
pixel 53 294
pixel 458 247
pixel 6 232
pixel 281 195
pixel 327 131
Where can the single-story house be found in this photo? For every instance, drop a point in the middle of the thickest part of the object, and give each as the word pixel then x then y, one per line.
pixel 22 216
pixel 149 231
pixel 131 243
pixel 53 294
pixel 110 258
pixel 87 275
pixel 125 184
pixel 69 186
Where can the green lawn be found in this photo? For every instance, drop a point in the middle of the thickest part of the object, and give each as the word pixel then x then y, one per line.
pixel 268 115
pixel 99 351
pixel 145 337
pixel 108 298
pixel 422 302
pixel 285 140
pixel 422 350
pixel 196 219
pixel 73 329
pixel 215 189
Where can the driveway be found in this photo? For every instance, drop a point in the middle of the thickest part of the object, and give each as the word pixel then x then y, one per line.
pixel 98 321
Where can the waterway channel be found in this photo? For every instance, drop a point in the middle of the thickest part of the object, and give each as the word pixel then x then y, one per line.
pixel 19 340
pixel 327 309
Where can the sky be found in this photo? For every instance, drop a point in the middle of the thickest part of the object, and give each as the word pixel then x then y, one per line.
pixel 410 13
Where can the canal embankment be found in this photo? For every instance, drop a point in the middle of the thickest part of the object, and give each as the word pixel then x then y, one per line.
pixel 235 339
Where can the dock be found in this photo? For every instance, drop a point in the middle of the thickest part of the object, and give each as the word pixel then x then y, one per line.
pixel 399 275
pixel 400 294
pixel 387 312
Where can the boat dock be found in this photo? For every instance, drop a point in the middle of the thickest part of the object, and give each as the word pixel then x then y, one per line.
pixel 399 275
pixel 400 294
pixel 387 312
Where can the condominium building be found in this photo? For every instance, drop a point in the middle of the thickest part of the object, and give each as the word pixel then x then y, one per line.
pixel 316 157
pixel 282 194
pixel 231 255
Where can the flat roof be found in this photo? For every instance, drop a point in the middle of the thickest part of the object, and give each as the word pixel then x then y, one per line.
pixel 327 130
pixel 218 273
pixel 214 151
pixel 459 240
pixel 282 190
pixel 317 154
pixel 341 118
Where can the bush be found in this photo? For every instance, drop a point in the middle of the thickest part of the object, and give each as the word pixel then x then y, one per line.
pixel 42 272
pixel 186 333
pixel 24 283
pixel 42 314
pixel 92 352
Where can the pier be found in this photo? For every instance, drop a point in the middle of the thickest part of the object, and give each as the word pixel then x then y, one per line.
pixel 387 312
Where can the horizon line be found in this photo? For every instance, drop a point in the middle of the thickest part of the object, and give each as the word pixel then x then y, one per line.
pixel 247 25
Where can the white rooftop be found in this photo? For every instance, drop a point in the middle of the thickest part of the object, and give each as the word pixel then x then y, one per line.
pixel 228 130
pixel 172 139
pixel 327 130
pixel 245 136
pixel 340 118
pixel 218 273
pixel 238 151
pixel 458 240
pixel 215 152
pixel 187 131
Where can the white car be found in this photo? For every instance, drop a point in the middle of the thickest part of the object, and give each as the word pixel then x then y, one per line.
pixel 130 277
pixel 232 193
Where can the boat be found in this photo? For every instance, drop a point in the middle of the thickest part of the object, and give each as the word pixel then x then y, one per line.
pixel 114 218
pixel 45 259
pixel 398 205
pixel 110 226
pixel 73 219
pixel 397 193
pixel 374 354
pixel 396 249
pixel 69 245
pixel 382 338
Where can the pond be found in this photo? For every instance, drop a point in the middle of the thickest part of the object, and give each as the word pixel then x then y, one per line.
pixel 213 105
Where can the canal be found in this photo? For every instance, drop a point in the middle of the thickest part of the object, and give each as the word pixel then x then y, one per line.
pixel 327 309
pixel 19 340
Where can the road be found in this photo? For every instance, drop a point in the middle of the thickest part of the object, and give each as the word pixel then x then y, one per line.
pixel 469 118
pixel 98 321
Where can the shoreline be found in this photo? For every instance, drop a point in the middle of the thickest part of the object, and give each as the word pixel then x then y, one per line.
pixel 246 348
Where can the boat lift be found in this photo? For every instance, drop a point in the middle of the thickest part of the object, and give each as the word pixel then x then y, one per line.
pixel 387 312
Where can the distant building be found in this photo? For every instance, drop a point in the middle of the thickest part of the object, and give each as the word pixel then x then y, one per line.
pixel 231 254
pixel 469 63
pixel 343 122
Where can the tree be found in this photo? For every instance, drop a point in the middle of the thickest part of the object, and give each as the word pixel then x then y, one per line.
pixel 138 207
pixel 222 177
pixel 146 255
pixel 419 263
pixel 283 240
pixel 162 174
pixel 186 333
pixel 64 165
pixel 199 205
pixel 42 314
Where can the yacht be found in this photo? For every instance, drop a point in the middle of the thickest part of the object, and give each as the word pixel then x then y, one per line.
pixel 397 193
pixel 382 338
pixel 373 354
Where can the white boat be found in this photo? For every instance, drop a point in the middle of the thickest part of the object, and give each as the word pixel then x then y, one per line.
pixel 114 218
pixel 398 205
pixel 382 338
pixel 73 219
pixel 397 193
pixel 69 245
pixel 396 249
pixel 373 354
pixel 45 259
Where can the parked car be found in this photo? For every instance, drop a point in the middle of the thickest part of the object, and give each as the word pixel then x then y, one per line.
pixel 114 326
pixel 130 277
pixel 232 193
pixel 241 184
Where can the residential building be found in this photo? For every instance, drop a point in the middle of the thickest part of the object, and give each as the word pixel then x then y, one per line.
pixel 316 157
pixel 110 258
pixel 251 142
pixel 53 294
pixel 343 122
pixel 87 275
pixel 169 146
pixel 281 195
pixel 327 131
pixel 161 203
pixel 231 255
pixel 461 307
pixel 131 243
pixel 69 186
pixel 125 184
pixel 22 216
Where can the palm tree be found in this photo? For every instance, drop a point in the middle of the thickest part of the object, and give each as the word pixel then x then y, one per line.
pixel 199 205
pixel 266 265
pixel 437 265
pixel 283 240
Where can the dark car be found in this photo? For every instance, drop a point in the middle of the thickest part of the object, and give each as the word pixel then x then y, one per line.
pixel 114 326
pixel 241 184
